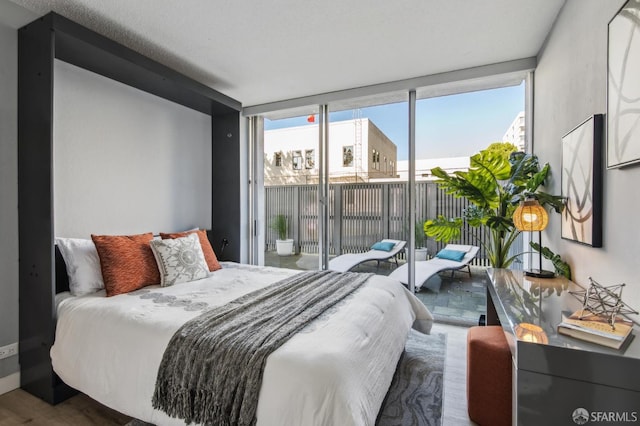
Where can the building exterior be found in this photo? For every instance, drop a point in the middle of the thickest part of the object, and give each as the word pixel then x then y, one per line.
pixel 516 132
pixel 424 166
pixel 358 151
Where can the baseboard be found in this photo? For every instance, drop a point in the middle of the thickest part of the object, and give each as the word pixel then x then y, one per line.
pixel 9 383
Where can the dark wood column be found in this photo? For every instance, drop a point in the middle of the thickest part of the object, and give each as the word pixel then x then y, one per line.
pixel 225 185
pixel 36 43
pixel 39 44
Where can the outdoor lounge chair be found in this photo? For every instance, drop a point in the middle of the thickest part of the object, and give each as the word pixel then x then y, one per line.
pixel 428 268
pixel 345 262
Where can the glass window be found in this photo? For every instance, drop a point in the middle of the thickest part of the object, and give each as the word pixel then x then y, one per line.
pixel 449 130
pixel 366 204
pixel 290 199
pixel 368 201
pixel 376 160
pixel 347 156
pixel 309 159
pixel 277 159
pixel 297 160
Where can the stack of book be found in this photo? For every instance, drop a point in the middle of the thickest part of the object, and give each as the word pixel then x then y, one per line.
pixel 596 329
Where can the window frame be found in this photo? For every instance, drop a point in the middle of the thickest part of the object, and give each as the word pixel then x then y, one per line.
pixel 297 161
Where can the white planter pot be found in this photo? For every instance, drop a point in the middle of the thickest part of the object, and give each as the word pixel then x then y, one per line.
pixel 421 254
pixel 284 247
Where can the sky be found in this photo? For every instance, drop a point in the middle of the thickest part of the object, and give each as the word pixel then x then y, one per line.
pixel 448 126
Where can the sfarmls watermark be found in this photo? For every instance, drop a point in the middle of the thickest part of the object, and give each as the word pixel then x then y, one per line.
pixel 581 416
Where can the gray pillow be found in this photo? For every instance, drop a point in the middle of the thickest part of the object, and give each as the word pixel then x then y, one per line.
pixel 179 260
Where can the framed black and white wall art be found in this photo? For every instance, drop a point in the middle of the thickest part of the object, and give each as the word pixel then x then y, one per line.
pixel 623 87
pixel 582 182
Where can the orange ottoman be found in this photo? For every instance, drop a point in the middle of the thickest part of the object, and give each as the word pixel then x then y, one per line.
pixel 488 376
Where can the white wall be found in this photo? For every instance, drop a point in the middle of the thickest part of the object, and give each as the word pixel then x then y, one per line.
pixel 286 141
pixel 126 161
pixel 8 195
pixel 570 85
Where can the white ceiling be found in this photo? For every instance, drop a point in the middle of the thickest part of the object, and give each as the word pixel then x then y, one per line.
pixel 265 51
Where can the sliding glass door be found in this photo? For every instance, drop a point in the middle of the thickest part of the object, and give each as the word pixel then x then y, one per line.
pixel 291 170
pixel 368 147
pixel 449 130
pixel 339 177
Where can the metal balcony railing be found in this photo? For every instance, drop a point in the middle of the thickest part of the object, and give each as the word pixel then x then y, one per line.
pixel 363 213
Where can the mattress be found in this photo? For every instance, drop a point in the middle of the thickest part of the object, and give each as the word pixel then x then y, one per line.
pixel 337 370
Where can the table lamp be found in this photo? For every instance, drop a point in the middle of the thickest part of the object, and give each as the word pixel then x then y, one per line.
pixel 531 333
pixel 531 216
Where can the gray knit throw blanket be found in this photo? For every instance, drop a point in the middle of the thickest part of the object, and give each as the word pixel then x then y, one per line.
pixel 211 371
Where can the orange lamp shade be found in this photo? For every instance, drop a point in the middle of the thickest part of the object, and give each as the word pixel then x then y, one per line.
pixel 530 216
pixel 528 332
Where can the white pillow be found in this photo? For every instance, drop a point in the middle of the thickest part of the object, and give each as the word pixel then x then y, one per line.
pixel 179 260
pixel 83 265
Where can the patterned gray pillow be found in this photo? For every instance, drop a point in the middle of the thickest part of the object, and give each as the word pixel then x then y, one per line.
pixel 179 260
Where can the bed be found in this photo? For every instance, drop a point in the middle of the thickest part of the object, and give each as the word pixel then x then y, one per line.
pixel 337 370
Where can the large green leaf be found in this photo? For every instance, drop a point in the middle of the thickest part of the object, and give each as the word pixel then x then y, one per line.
pixel 555 201
pixel 498 179
pixel 480 184
pixel 561 267
pixel 475 188
pixel 500 223
pixel 477 216
pixel 502 148
pixel 481 191
pixel 538 179
pixel 511 190
pixel 491 165
pixel 443 229
pixel 523 167
pixel 439 173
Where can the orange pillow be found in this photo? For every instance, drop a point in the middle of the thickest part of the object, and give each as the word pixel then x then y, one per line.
pixel 126 261
pixel 209 254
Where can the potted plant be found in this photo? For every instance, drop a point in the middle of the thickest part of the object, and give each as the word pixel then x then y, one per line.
pixel 284 245
pixel 498 179
pixel 421 242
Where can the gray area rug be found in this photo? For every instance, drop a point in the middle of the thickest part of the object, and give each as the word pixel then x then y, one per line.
pixel 415 395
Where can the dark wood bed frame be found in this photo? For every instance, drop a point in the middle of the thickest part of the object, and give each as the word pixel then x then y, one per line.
pixel 42 271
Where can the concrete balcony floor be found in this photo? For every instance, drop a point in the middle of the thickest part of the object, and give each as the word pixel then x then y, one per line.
pixel 460 300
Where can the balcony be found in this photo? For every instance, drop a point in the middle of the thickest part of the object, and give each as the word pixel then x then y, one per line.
pixel 361 214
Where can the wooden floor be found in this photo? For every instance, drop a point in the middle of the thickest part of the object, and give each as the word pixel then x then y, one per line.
pixel 18 407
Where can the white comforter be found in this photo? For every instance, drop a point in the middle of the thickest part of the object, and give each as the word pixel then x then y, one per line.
pixel 335 372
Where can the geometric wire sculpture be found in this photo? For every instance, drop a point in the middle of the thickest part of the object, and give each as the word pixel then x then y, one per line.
pixel 604 301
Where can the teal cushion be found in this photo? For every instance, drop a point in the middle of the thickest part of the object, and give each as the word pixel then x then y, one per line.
pixel 456 255
pixel 383 245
